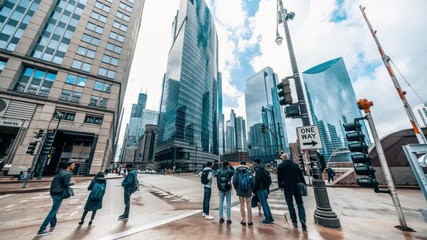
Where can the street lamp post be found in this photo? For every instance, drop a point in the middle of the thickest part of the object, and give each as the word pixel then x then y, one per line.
pixel 323 215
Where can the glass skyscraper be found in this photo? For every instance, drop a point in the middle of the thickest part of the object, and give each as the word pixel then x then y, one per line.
pixel 332 103
pixel 188 116
pixel 261 92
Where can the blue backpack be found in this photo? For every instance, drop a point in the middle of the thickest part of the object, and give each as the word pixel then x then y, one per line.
pixel 244 181
pixel 98 191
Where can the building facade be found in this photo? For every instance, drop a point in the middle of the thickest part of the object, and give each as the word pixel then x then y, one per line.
pixel 332 103
pixel 64 70
pixel 235 134
pixel 420 113
pixel 134 129
pixel 262 107
pixel 146 152
pixel 188 116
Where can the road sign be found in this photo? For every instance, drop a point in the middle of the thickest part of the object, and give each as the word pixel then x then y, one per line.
pixel 309 137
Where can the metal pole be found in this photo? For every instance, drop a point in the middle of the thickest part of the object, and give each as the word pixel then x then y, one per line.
pixel 387 174
pixel 323 215
pixel 301 100
pixel 31 173
pixel 419 134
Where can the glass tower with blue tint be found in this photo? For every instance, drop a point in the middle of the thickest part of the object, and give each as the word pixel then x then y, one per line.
pixel 188 116
pixel 332 103
pixel 262 107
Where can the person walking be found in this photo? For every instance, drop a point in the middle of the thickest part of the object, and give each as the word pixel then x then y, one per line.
pixel 60 183
pixel 261 188
pixel 223 179
pixel 288 175
pixel 206 177
pixel 97 189
pixel 130 185
pixel 243 182
pixel 331 174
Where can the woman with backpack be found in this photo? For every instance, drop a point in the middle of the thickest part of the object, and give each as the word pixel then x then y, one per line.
pixel 94 201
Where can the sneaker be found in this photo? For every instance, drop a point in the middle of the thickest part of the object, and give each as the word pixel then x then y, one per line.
pixel 221 220
pixel 203 214
pixel 295 225
pixel 51 229
pixel 243 223
pixel 265 222
pixel 43 233
pixel 250 223
pixel 90 222
pixel 81 222
pixel 229 221
pixel 304 227
pixel 122 219
pixel 209 217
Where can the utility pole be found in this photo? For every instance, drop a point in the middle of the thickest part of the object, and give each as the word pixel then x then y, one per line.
pixel 386 59
pixel 365 105
pixel 323 215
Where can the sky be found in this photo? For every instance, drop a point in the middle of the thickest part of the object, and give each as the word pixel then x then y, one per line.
pixel 321 31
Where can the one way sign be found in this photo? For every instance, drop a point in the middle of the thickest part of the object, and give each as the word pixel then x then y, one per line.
pixel 309 137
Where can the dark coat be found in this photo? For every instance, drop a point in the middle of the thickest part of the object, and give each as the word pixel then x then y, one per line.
pixel 288 175
pixel 240 192
pixel 60 182
pixel 91 204
pixel 128 181
pixel 259 182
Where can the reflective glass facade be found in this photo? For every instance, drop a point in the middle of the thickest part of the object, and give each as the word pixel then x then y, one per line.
pixel 188 110
pixel 261 91
pixel 58 31
pixel 14 18
pixel 332 103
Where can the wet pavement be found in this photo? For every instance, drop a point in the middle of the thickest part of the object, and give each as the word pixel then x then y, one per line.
pixel 169 207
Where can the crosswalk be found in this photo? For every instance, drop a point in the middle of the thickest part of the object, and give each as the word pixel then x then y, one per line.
pixel 276 201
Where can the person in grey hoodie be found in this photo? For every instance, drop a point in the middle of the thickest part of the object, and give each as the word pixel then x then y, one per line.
pixel 207 190
pixel 243 182
pixel 59 184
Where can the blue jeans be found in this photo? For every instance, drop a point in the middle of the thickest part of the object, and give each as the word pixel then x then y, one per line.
pixel 290 202
pixel 206 200
pixel 126 195
pixel 262 197
pixel 51 216
pixel 227 195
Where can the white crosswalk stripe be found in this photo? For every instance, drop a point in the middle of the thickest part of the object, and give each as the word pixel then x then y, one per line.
pixel 276 201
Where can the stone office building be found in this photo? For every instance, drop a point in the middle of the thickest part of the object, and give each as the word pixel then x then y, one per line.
pixel 64 67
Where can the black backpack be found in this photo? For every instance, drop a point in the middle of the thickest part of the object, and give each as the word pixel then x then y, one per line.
pixel 244 180
pixel 223 180
pixel 204 177
pixel 265 178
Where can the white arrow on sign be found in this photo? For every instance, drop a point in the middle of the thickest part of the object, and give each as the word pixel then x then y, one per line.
pixel 309 137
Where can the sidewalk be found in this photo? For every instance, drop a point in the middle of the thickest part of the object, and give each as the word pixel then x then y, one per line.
pixel 11 186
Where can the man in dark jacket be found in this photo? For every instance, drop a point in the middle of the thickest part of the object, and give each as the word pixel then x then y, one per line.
pixel 262 183
pixel 59 184
pixel 244 192
pixel 288 175
pixel 127 185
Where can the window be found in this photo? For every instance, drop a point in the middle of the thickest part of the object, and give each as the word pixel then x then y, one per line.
pixel 91 40
pixel 76 80
pixel 93 120
pixel 81 65
pixel 105 87
pixel 63 115
pixel 120 26
pixel 98 101
pixel 102 6
pixel 113 48
pixel 58 31
pixel 117 37
pixel 125 7
pixel 2 65
pixel 35 81
pixel 65 95
pixel 85 52
pixel 110 60
pixel 122 16
pixel 106 73
pixel 99 17
pixel 14 18
pixel 95 28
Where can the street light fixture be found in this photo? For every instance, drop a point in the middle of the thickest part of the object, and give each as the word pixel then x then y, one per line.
pixel 323 215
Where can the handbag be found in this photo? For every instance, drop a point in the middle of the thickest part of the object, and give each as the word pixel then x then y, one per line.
pixel 302 189
pixel 68 192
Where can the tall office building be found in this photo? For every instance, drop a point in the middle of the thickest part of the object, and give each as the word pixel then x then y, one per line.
pixel 262 107
pixel 64 70
pixel 135 120
pixel 221 128
pixel 188 116
pixel 420 113
pixel 235 134
pixel 148 117
pixel 332 103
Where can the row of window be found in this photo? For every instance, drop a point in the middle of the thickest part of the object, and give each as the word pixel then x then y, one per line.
pixel 70 116
pixel 122 16
pixel 92 27
pixel 102 6
pixel 125 6
pixel 120 26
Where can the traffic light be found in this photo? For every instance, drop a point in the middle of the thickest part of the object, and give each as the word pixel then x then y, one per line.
pixel 263 128
pixel 48 142
pixel 361 159
pixel 292 111
pixel 284 92
pixel 301 164
pixel 31 148
pixel 39 134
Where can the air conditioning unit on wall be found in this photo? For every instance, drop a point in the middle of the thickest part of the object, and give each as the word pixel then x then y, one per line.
pixel 4 104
